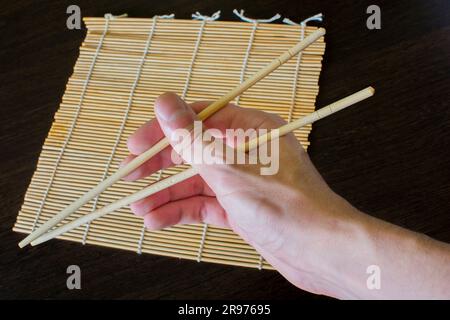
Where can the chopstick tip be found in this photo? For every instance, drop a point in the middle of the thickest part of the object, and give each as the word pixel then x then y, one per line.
pixel 38 241
pixel 22 244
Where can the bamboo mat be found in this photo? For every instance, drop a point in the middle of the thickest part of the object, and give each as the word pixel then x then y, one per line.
pixel 124 64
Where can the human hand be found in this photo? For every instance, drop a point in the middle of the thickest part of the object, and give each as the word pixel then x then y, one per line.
pixel 312 236
pixel 274 213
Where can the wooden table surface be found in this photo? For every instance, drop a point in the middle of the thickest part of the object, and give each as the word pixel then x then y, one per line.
pixel 389 157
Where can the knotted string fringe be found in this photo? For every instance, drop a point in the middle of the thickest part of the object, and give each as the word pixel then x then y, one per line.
pixel 250 43
pixel 165 16
pixel 317 17
pixel 247 19
pixel 110 16
pixel 199 16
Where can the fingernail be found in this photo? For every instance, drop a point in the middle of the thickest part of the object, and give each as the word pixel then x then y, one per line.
pixel 171 111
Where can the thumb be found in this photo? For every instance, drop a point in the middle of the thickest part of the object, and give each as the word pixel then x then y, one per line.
pixel 173 113
pixel 176 120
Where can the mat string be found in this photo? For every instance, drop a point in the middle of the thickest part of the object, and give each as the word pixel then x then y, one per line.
pixel 127 111
pixel 246 57
pixel 318 17
pixel 110 16
pixel 142 234
pixel 198 16
pixel 165 16
pixel 141 239
pixel 202 242
pixel 204 19
pixel 261 261
pixel 240 15
pixel 302 24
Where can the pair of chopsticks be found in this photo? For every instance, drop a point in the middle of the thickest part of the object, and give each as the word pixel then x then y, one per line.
pixel 43 234
pixel 186 174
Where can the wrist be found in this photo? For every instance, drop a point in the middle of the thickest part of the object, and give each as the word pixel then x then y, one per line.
pixel 349 256
pixel 341 242
pixel 321 245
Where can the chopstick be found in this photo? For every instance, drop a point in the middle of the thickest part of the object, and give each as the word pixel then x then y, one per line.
pixel 163 143
pixel 186 174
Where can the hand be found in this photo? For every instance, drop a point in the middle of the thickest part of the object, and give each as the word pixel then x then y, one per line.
pixel 292 218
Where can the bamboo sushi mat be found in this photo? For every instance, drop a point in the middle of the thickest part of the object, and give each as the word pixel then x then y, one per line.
pixel 124 64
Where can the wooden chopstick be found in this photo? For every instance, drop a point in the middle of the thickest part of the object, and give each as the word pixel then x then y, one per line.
pixel 162 144
pixel 163 184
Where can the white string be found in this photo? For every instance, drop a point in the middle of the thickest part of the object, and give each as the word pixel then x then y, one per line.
pixel 204 19
pixel 247 19
pixel 317 17
pixel 247 55
pixel 261 260
pixel 166 16
pixel 124 120
pixel 110 16
pixel 141 239
pixel 72 127
pixel 142 234
pixel 199 16
pixel 194 55
pixel 202 242
pixel 297 70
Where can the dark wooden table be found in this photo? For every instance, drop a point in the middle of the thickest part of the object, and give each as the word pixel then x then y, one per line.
pixel 389 157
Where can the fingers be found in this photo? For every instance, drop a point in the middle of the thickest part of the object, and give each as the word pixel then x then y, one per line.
pixel 161 160
pixel 150 132
pixel 199 209
pixel 191 187
pixel 229 117
pixel 145 137
pixel 173 113
pixel 174 117
pixel 234 117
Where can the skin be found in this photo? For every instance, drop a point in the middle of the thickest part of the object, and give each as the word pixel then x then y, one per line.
pixel 311 235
